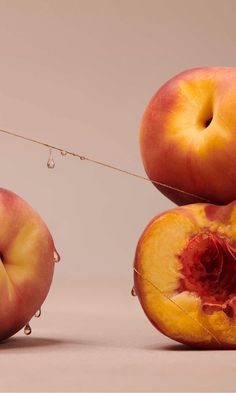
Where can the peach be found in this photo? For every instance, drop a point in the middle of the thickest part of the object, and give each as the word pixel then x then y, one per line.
pixel 26 262
pixel 185 274
pixel 188 136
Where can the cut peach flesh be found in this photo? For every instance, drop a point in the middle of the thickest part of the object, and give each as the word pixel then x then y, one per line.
pixel 209 270
pixel 186 274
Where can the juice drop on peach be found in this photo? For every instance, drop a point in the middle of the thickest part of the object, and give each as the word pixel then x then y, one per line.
pixel 27 329
pixel 133 292
pixel 57 257
pixel 38 313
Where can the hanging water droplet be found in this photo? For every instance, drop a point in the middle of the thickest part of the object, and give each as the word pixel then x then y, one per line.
pixel 51 162
pixel 63 153
pixel 82 157
pixel 38 313
pixel 57 257
pixel 27 329
pixel 133 292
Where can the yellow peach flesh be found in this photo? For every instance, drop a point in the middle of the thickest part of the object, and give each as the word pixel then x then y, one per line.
pixel 158 272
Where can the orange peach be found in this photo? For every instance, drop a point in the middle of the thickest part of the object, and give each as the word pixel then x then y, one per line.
pixel 185 274
pixel 26 263
pixel 188 136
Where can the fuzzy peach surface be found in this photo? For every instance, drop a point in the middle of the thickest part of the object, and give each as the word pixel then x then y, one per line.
pixel 26 266
pixel 187 135
pixel 179 313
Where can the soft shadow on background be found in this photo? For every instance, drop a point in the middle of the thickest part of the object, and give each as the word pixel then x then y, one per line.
pixel 34 342
pixel 30 342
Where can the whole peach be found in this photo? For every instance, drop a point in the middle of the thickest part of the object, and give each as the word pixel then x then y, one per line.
pixel 188 136
pixel 26 262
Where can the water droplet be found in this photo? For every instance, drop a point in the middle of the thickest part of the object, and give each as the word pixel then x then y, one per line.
pixel 27 329
pixel 51 162
pixel 133 292
pixel 38 313
pixel 63 153
pixel 82 157
pixel 57 257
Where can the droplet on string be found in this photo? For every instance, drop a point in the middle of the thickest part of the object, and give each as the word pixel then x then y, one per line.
pixel 27 329
pixel 63 153
pixel 51 162
pixel 82 157
pixel 57 257
pixel 133 292
pixel 38 313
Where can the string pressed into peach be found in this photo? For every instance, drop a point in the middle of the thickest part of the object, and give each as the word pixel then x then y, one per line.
pixel 101 163
pixel 178 306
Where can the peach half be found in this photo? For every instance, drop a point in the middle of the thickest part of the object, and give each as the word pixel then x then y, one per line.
pixel 185 274
pixel 188 136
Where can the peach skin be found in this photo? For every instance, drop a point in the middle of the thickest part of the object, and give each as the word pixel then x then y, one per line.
pixel 185 274
pixel 26 263
pixel 188 136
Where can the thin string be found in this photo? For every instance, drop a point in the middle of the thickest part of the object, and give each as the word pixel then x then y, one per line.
pixel 179 307
pixel 104 164
pixel 101 163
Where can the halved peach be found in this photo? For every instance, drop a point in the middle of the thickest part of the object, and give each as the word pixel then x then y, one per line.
pixel 185 274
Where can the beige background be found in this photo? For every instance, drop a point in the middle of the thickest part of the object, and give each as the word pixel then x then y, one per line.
pixel 78 74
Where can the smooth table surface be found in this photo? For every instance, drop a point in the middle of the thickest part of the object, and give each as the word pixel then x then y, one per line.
pixel 94 337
